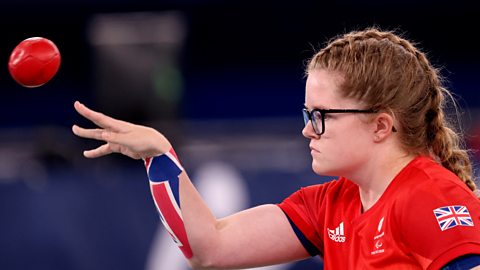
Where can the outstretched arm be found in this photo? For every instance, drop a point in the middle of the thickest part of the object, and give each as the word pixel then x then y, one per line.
pixel 254 237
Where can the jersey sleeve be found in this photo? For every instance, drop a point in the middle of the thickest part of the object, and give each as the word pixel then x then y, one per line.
pixel 304 211
pixel 440 223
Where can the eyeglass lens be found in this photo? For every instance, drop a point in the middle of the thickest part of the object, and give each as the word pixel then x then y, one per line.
pixel 315 117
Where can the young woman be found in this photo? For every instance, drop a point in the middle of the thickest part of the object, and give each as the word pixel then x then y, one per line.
pixel 374 116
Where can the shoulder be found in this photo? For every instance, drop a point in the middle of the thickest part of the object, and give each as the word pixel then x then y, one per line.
pixel 426 189
pixel 333 188
pixel 311 202
pixel 435 213
pixel 314 196
pixel 427 181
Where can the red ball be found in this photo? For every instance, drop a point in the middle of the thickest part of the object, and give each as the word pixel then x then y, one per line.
pixel 34 61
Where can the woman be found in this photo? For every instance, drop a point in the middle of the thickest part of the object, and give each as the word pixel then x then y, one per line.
pixel 374 115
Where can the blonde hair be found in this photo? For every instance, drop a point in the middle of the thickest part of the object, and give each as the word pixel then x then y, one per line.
pixel 388 73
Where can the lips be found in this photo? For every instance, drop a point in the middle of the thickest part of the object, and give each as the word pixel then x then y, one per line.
pixel 313 149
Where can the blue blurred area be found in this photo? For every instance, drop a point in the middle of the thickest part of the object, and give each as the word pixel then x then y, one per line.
pixel 77 220
pixel 241 82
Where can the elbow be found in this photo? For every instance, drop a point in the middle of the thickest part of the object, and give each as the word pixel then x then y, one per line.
pixel 206 260
pixel 201 264
pixel 207 253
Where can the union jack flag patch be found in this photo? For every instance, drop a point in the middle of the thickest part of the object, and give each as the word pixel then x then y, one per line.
pixel 452 216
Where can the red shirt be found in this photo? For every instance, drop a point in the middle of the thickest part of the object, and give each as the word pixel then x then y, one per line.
pixel 425 218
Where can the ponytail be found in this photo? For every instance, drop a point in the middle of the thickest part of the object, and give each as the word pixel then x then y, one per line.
pixel 445 144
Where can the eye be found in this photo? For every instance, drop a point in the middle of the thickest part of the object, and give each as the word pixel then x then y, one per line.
pixel 317 115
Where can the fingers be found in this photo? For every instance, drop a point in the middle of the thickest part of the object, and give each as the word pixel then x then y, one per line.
pixel 97 134
pixel 103 135
pixel 93 134
pixel 98 152
pixel 100 119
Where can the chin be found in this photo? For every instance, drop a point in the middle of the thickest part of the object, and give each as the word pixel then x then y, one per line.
pixel 320 170
pixel 323 170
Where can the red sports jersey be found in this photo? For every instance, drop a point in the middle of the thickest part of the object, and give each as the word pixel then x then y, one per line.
pixel 424 219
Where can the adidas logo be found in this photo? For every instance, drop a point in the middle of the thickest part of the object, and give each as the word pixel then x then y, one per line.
pixel 337 234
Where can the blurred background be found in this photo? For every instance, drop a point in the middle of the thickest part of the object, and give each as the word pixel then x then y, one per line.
pixel 222 79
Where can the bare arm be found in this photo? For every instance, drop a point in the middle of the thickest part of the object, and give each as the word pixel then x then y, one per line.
pixel 254 237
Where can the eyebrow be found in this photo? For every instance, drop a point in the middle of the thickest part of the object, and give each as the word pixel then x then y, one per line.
pixel 314 108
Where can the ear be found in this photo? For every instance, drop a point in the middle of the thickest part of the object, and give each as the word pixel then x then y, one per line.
pixel 382 126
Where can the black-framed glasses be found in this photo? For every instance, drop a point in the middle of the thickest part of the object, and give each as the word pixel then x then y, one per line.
pixel 317 117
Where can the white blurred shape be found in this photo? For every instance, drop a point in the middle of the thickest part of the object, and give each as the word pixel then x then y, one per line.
pixel 222 188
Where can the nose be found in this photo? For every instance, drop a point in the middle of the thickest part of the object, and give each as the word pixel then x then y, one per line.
pixel 308 131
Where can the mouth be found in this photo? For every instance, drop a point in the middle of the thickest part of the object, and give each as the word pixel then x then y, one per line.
pixel 313 150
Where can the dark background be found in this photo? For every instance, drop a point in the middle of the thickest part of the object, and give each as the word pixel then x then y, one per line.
pixel 252 50
pixel 242 68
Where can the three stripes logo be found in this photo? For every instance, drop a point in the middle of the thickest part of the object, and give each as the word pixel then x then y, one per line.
pixel 337 234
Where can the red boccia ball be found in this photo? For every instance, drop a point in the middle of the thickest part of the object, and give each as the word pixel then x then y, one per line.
pixel 34 61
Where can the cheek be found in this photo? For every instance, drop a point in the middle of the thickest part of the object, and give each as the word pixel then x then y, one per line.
pixel 339 159
pixel 341 151
pixel 351 142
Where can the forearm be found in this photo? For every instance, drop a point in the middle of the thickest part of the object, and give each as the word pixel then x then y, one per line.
pixel 200 224
pixel 182 211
